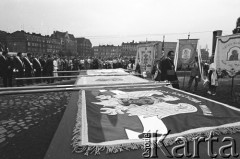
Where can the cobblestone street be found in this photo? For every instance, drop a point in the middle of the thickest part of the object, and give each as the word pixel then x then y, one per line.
pixel 22 114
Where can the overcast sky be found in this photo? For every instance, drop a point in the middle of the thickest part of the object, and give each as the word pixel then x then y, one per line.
pixel 117 21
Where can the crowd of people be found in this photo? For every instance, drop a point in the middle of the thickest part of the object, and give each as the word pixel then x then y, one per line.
pixel 47 66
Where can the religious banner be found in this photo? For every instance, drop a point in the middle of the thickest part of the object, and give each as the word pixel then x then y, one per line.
pixel 227 54
pixel 187 50
pixel 94 80
pixel 145 56
pixel 115 119
pixel 103 72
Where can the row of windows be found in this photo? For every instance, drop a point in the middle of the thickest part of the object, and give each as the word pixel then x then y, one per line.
pixel 42 39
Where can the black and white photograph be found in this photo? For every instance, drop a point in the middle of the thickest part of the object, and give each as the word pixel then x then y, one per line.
pixel 114 79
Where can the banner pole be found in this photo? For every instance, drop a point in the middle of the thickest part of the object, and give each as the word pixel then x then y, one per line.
pixel 232 86
pixel 184 74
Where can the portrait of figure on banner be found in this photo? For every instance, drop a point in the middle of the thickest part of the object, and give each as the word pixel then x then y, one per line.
pixel 186 54
pixel 233 54
pixel 228 54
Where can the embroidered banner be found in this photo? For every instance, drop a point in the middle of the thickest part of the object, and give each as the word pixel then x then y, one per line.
pixel 145 56
pixel 88 80
pixel 227 54
pixel 107 72
pixel 187 50
pixel 115 119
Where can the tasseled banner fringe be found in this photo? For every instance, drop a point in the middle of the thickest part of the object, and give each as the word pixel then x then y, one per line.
pixel 89 149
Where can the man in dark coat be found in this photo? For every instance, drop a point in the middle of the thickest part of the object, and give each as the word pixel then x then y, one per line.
pixel 49 68
pixel 43 61
pixel 28 67
pixel 6 69
pixel 19 68
pixel 168 70
pixel 37 67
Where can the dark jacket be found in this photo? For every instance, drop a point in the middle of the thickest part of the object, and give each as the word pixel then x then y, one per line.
pixel 4 65
pixel 36 64
pixel 49 65
pixel 28 65
pixel 166 65
pixel 18 64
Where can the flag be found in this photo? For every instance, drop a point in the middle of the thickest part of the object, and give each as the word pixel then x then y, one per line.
pixel 146 55
pixel 200 63
pixel 227 54
pixel 163 46
pixel 187 50
pixel 114 119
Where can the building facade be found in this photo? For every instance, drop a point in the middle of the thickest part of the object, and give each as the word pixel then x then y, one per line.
pixel 3 40
pixel 129 49
pixel 68 43
pixel 107 51
pixel 37 44
pixel 84 47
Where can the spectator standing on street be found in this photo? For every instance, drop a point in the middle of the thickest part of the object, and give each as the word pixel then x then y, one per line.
pixel 49 68
pixel 19 68
pixel 28 67
pixel 194 75
pixel 55 67
pixel 37 68
pixel 6 69
pixel 212 78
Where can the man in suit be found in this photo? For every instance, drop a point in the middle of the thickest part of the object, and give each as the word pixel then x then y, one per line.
pixel 28 67
pixel 194 75
pixel 6 69
pixel 168 70
pixel 43 61
pixel 19 68
pixel 49 68
pixel 37 67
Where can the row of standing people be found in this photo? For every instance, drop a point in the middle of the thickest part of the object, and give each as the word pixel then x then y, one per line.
pixel 20 67
pixel 29 66
pixel 47 65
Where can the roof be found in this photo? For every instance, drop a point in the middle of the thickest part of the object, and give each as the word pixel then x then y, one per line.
pixel 80 40
pixel 59 34
pixel 71 36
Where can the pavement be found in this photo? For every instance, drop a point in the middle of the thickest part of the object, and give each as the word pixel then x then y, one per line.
pixel 21 113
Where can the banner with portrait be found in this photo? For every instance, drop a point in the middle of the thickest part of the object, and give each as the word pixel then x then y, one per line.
pixel 227 54
pixel 185 55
